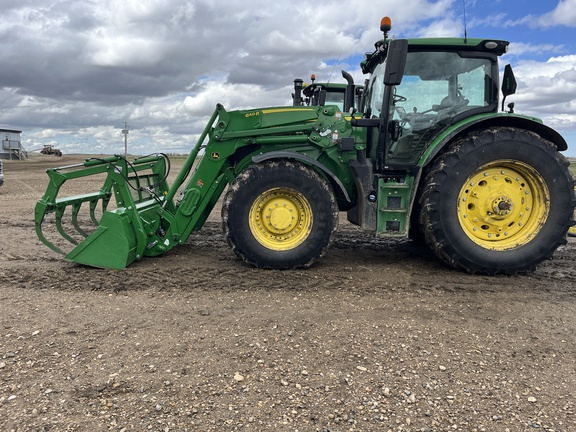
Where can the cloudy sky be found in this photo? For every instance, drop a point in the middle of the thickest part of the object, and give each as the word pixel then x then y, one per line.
pixel 73 71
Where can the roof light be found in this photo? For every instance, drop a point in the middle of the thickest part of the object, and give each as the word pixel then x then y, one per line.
pixel 491 45
pixel 386 24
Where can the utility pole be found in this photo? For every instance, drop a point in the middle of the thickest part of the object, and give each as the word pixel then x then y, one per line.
pixel 125 133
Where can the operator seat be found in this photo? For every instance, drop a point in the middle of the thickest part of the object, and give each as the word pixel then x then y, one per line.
pixel 451 102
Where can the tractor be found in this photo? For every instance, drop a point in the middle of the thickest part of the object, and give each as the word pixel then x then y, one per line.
pixel 328 93
pixel 432 154
pixel 49 149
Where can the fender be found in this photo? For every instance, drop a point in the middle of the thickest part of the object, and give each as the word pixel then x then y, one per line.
pixel 487 121
pixel 340 189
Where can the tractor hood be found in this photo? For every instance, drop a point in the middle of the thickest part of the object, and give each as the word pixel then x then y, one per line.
pixel 284 120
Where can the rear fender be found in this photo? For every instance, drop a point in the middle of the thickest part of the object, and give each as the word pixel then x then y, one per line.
pixel 487 121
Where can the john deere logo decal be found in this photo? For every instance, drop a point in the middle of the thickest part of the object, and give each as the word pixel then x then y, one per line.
pixel 215 155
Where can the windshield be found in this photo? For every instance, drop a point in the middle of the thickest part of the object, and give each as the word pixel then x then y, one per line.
pixel 335 98
pixel 438 79
pixel 436 87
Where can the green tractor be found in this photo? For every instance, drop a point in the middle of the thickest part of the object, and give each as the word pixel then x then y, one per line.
pixel 344 96
pixel 434 156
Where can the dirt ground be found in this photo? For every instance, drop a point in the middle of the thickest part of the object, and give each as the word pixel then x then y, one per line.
pixel 378 336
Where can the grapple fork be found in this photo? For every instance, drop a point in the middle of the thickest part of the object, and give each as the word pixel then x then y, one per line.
pixel 116 231
pixel 135 212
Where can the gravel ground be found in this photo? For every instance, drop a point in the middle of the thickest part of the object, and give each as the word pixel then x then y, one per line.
pixel 378 336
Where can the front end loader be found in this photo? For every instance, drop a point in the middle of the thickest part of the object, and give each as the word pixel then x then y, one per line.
pixel 431 153
pixel 136 213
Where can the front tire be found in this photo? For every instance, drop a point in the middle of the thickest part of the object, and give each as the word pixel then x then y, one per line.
pixel 279 215
pixel 497 201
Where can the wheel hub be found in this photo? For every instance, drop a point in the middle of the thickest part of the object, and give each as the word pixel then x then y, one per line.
pixel 280 215
pixel 502 206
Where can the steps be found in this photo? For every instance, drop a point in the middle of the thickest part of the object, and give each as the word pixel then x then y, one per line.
pixel 393 206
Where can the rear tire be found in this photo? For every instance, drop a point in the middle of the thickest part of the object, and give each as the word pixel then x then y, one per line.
pixel 497 201
pixel 279 215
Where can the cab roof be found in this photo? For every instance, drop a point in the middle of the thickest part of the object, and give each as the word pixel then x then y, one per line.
pixel 494 46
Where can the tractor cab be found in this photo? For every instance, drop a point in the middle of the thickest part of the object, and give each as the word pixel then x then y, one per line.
pixel 436 84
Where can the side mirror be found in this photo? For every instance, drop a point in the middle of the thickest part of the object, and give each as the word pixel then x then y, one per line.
pixel 395 61
pixel 508 83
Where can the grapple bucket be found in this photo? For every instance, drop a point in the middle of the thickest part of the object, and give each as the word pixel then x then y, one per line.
pixel 104 228
pixel 134 213
pixel 111 245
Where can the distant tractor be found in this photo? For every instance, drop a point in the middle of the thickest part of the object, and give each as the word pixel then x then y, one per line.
pixel 49 149
pixel 344 96
pixel 430 154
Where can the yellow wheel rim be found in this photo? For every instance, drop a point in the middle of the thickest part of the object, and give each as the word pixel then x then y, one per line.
pixel 503 205
pixel 280 219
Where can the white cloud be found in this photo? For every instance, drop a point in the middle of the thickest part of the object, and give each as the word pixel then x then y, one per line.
pixel 564 15
pixel 112 51
pixel 519 49
pixel 547 90
pixel 45 133
pixel 74 70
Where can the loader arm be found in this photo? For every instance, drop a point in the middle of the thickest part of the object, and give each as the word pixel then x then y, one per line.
pixel 219 163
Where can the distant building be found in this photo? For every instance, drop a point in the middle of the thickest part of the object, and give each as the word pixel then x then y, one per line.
pixel 11 145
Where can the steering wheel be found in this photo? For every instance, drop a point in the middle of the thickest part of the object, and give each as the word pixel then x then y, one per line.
pixel 398 98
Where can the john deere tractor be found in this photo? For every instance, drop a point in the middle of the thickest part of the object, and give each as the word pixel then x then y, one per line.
pixel 345 96
pixel 434 156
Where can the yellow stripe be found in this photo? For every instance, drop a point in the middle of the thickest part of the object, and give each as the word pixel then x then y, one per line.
pixel 279 110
